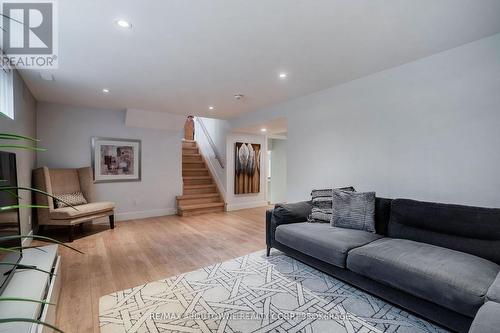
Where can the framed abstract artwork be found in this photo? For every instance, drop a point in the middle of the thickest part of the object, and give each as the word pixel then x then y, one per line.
pixel 116 160
pixel 247 168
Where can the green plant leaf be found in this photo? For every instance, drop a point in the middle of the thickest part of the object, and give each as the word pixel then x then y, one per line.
pixel 42 238
pixel 6 249
pixel 27 247
pixel 4 188
pixel 21 266
pixel 20 299
pixel 11 18
pixel 10 136
pixel 23 147
pixel 28 320
pixel 13 194
pixel 4 208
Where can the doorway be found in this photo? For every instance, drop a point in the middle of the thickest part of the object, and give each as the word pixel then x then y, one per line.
pixel 276 170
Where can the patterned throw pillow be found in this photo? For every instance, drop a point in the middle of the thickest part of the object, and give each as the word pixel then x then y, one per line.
pixel 322 204
pixel 74 199
pixel 353 210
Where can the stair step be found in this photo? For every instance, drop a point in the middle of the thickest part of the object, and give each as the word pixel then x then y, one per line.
pixel 191 187
pixel 191 158
pixel 197 199
pixel 196 172
pixel 189 141
pixel 199 189
pixel 197 164
pixel 202 206
pixel 200 194
pixel 197 180
pixel 197 196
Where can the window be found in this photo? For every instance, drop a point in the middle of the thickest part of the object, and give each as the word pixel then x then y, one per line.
pixel 6 91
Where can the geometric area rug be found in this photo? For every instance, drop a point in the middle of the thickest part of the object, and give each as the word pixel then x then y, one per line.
pixel 253 293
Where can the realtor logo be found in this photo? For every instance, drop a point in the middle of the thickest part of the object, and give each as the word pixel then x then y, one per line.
pixel 29 36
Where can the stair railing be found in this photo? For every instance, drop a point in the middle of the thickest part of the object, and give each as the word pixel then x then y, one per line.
pixel 217 155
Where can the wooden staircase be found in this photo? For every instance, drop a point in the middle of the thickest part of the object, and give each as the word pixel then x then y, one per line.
pixel 200 194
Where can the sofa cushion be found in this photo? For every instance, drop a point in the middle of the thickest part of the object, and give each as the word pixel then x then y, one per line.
pixel 487 319
pixel 81 210
pixel 323 242
pixel 494 291
pixel 455 280
pixel 473 230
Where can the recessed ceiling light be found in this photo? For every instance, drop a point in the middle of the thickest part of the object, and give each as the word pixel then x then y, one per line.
pixel 263 130
pixel 105 91
pixel 283 75
pixel 211 107
pixel 123 24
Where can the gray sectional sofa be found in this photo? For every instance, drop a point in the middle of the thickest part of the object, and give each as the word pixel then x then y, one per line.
pixel 439 261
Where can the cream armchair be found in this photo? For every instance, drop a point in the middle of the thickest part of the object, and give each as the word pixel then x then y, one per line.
pixel 62 181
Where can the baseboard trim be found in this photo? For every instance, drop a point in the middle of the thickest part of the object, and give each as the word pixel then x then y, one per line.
pixel 245 205
pixel 144 214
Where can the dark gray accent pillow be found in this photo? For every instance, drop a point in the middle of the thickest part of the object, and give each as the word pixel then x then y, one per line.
pixel 322 204
pixel 292 212
pixel 353 210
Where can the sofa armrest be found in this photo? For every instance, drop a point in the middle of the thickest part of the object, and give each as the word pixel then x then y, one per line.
pixel 286 214
pixel 493 293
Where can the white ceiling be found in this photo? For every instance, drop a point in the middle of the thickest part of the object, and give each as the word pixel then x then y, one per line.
pixel 278 126
pixel 183 55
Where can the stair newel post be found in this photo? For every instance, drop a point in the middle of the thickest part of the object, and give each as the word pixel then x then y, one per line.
pixel 189 128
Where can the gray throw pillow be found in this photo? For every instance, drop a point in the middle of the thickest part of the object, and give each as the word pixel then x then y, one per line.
pixel 353 210
pixel 322 204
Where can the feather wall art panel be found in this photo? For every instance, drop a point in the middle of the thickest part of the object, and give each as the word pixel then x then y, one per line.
pixel 246 168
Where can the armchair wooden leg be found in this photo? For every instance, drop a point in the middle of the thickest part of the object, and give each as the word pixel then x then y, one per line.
pixel 268 252
pixel 112 221
pixel 71 233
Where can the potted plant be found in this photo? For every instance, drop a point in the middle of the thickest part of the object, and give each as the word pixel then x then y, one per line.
pixel 13 142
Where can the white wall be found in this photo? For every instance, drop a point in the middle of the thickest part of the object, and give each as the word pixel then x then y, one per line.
pixel 277 185
pixel 67 130
pixel 217 129
pixel 427 130
pixel 241 201
pixel 23 124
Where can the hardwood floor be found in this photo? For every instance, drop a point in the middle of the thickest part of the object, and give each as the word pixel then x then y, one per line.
pixel 140 251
